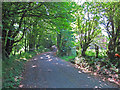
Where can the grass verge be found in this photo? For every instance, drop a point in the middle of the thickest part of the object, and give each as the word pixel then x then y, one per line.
pixel 12 69
pixel 68 58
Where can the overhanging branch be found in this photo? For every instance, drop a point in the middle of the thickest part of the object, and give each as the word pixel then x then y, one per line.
pixel 109 33
pixel 22 36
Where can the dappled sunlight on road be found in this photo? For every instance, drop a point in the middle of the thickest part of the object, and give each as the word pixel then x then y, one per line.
pixel 35 58
pixel 56 59
pixel 34 66
pixel 41 57
pixel 48 56
pixel 96 87
pixel 88 77
pixel 56 63
pixel 28 86
pixel 49 70
pixel 46 69
pixel 79 72
pixel 49 60
pixel 68 65
pixel 21 86
pixel 45 54
pixel 101 85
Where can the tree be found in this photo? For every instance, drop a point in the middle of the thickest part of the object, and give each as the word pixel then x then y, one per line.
pixel 111 12
pixel 33 23
pixel 87 26
pixel 13 14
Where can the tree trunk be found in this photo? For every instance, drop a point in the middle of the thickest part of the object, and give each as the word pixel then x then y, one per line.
pixel 26 42
pixel 83 51
pixel 77 50
pixel 111 50
pixel 118 49
pixel 58 43
pixel 96 50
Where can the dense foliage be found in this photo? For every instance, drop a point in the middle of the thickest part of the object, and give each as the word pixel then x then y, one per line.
pixel 76 30
pixel 31 25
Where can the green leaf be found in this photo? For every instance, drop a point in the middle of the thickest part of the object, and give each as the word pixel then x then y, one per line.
pixel 6 29
pixel 10 38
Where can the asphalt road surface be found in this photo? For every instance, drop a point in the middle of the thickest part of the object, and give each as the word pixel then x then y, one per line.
pixel 48 71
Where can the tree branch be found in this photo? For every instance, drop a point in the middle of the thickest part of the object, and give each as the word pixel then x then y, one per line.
pixel 20 24
pixel 109 33
pixel 29 9
pixel 22 35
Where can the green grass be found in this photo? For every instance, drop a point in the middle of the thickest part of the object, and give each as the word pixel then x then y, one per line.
pixel 68 58
pixel 12 69
pixel 28 55
pixel 91 52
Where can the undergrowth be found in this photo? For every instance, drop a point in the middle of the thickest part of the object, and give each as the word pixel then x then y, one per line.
pixel 91 52
pixel 101 65
pixel 12 69
pixel 68 58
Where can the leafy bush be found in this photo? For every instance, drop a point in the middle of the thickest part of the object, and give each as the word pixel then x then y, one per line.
pixel 91 52
pixel 27 55
pixel 12 69
pixel 42 49
pixel 100 66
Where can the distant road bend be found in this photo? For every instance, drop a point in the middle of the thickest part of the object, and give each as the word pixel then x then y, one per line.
pixel 48 71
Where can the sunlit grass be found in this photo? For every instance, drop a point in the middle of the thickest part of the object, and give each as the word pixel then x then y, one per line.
pixel 91 52
pixel 68 58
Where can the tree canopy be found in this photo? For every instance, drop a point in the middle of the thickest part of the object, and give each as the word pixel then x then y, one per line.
pixel 34 23
pixel 86 34
pixel 29 25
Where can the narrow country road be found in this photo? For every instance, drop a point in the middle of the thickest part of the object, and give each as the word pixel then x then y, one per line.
pixel 47 71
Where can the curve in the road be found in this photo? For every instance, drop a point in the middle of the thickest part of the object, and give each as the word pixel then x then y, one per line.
pixel 47 71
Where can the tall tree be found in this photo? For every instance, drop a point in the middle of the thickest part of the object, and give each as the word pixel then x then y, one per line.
pixel 31 21
pixel 87 26
pixel 111 13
